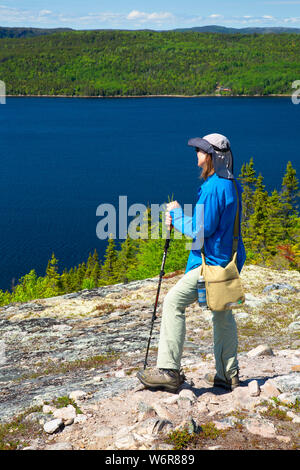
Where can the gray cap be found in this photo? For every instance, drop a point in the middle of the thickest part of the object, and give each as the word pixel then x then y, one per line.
pixel 219 147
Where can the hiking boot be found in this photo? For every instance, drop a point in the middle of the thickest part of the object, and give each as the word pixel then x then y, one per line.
pixel 229 384
pixel 167 379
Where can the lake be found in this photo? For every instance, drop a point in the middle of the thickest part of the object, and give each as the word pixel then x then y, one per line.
pixel 63 157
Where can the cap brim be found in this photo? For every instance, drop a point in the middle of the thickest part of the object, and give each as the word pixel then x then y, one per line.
pixel 202 144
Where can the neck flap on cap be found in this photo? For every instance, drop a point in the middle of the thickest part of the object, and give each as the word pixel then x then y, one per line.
pixel 222 155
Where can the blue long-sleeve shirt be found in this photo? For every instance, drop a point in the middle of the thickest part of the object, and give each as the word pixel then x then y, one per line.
pixel 213 218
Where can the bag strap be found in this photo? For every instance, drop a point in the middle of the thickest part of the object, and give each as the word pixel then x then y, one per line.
pixel 236 228
pixel 236 223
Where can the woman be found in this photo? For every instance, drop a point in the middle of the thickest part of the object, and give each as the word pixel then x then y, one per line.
pixel 218 197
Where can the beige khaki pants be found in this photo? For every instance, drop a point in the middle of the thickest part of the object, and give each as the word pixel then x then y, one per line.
pixel 172 330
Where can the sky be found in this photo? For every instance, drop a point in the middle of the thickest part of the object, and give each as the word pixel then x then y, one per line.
pixel 154 14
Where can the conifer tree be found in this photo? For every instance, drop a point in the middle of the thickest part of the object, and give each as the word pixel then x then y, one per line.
pixel 274 223
pixel 290 190
pixel 256 240
pixel 126 259
pixel 108 273
pixel 66 281
pixel 80 274
pixel 73 279
pixel 52 273
pixel 289 198
pixel 89 265
pixel 248 180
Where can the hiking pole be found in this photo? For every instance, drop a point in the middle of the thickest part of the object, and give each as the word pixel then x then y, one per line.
pixel 162 273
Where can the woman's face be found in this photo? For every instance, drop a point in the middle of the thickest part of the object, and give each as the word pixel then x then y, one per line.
pixel 202 158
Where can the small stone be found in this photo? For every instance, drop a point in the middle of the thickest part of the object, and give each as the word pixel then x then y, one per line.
pixel 104 431
pixel 189 424
pixel 285 439
pixel 241 315
pixel 296 368
pixel 202 407
pixel 269 389
pixel 289 398
pixel 171 400
pixel 144 407
pixel 164 426
pixel 294 326
pixel 161 446
pixel 241 399
pixel 67 414
pixel 295 344
pixel 277 286
pixel 51 426
pixel 80 419
pixel 225 423
pixel 48 409
pixel 61 328
pixel 187 394
pixel 125 442
pixel 59 446
pixel 262 428
pixel 288 383
pixel 97 378
pixel 293 416
pixel 253 388
pixel 120 373
pixel 164 412
pixel 77 395
pixel 261 350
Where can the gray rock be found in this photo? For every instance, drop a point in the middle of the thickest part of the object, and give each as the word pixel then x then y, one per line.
pixel 261 427
pixel 295 344
pixel 253 388
pixel 51 426
pixel 104 431
pixel 288 383
pixel 294 326
pixel 261 350
pixel 277 299
pixel 189 424
pixel 187 394
pixel 278 286
pixel 241 315
pixel 253 301
pixel 289 398
pixel 226 423
pixel 77 395
pixel 66 414
pixel 59 446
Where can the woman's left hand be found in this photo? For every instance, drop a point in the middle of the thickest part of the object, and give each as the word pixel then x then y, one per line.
pixel 170 206
pixel 173 205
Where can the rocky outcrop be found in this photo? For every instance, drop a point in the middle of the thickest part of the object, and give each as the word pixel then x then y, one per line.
pixel 88 346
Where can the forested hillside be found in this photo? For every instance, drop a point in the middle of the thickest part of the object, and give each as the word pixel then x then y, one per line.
pixel 30 32
pixel 112 63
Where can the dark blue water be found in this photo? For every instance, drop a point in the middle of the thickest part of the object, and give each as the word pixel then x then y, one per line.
pixel 61 158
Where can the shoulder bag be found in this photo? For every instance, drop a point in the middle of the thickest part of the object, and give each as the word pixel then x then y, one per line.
pixel 224 289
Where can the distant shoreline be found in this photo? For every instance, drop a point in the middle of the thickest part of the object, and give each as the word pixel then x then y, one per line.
pixel 146 96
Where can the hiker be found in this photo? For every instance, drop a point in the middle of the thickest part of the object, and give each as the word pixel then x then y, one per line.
pixel 219 198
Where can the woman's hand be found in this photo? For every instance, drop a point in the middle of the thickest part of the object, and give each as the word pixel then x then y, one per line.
pixel 170 206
